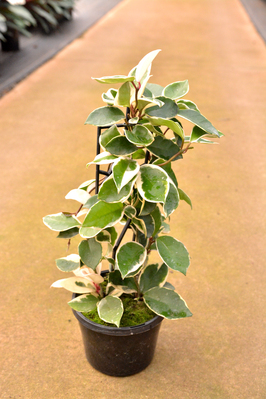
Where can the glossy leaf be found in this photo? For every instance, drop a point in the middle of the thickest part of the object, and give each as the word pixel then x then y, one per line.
pixel 84 303
pixel 104 116
pixel 123 96
pixel 156 90
pixel 174 126
pixel 75 284
pixel 166 303
pixel 123 171
pixel 103 158
pixel 120 146
pixel 110 309
pixel 114 79
pixel 89 232
pixel 140 136
pixel 153 183
pixel 150 224
pixel 147 208
pixel 156 215
pixel 198 119
pixel 115 279
pixel 68 234
pixel 90 252
pixel 184 196
pixel 168 169
pixel 168 110
pixel 153 276
pixel 108 135
pixel 172 200
pixel 129 257
pixel 184 104
pixel 173 253
pixel 164 148
pixel 144 64
pixel 91 201
pixel 79 195
pixel 69 263
pixel 103 215
pixel 139 154
pixel 109 193
pixel 130 211
pixel 61 222
pixel 176 89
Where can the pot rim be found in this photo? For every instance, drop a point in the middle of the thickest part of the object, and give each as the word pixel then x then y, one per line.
pixel 123 331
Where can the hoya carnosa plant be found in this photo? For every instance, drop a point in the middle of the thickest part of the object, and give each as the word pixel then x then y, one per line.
pixel 141 135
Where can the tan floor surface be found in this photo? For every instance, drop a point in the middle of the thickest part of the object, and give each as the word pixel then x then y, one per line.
pixel 220 351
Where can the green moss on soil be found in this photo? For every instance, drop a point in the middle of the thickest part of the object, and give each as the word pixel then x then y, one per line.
pixel 135 313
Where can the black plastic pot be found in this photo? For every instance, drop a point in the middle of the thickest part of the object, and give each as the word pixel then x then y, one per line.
pixel 119 351
pixel 12 41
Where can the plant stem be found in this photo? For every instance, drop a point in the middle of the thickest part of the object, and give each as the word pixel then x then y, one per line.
pixel 176 155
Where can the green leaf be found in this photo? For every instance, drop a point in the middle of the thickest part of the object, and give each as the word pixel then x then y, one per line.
pixel 123 171
pixel 115 278
pixel 147 208
pixel 61 222
pixel 103 159
pixel 89 232
pixel 144 64
pixel 68 234
pixel 174 126
pixel 155 89
pixel 91 201
pixel 110 309
pixel 176 89
pixel 153 183
pixel 150 224
pixel 90 252
pixel 120 146
pixel 168 110
pixel 184 104
pixel 113 234
pixel 156 215
pixel 103 215
pixel 104 116
pixel 140 136
pixel 137 155
pixel 168 285
pixel 172 200
pixel 130 211
pixel 164 148
pixel 109 193
pixel 84 303
pixel 140 225
pixel 168 170
pixel 79 195
pixel 108 135
pixel 75 284
pixel 123 98
pixel 129 257
pixel 109 96
pixel 198 119
pixel 114 79
pixel 69 263
pixel 166 303
pixel 173 253
pixel 153 276
pixel 184 196
pixel 197 135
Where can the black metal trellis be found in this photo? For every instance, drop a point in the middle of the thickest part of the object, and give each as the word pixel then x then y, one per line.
pixel 108 173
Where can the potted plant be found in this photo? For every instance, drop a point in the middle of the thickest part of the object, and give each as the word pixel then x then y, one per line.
pixel 14 19
pixel 138 192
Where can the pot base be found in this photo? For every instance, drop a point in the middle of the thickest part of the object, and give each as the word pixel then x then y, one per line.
pixel 119 351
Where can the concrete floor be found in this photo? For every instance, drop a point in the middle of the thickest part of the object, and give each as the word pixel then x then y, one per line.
pixel 220 351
